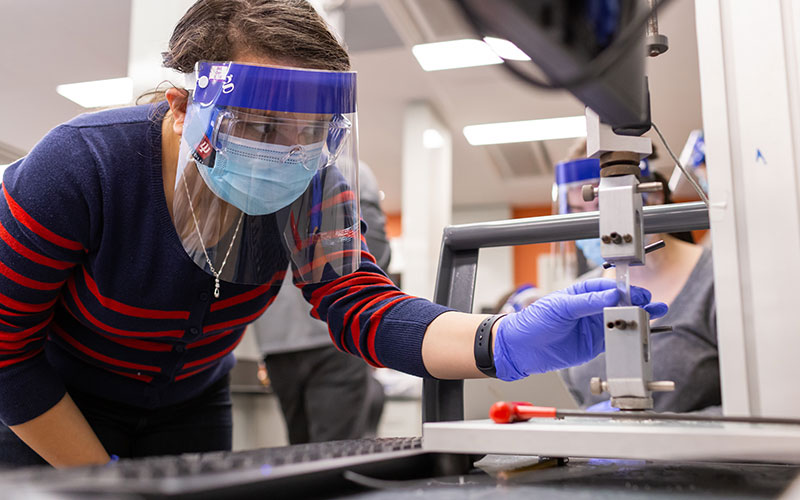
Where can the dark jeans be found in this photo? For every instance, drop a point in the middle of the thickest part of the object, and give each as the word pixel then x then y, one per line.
pixel 325 394
pixel 197 425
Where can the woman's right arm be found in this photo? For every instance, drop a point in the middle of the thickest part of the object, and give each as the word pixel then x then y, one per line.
pixel 62 436
pixel 50 214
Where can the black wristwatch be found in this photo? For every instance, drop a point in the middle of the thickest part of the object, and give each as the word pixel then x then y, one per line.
pixel 484 357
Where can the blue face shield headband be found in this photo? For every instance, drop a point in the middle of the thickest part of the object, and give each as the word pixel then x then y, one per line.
pixel 269 142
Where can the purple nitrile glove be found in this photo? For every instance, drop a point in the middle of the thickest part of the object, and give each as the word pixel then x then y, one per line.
pixel 602 406
pixel 562 329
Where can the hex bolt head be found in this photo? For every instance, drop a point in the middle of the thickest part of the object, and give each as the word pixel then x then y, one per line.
pixel 628 238
pixel 633 325
pixel 606 239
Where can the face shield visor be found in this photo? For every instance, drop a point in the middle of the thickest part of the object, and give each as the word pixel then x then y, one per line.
pixel 571 176
pixel 268 168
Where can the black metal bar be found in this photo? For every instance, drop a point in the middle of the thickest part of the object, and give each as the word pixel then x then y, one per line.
pixel 443 400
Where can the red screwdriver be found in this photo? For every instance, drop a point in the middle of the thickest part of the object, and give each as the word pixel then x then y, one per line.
pixel 506 412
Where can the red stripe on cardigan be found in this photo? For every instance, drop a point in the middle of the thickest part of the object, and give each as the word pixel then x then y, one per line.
pixel 321 261
pixel 242 297
pixel 342 197
pixel 208 340
pixel 6 312
pixel 14 336
pixel 143 378
pixel 142 345
pixel 323 235
pixel 375 320
pixel 213 357
pixel 373 358
pixel 346 320
pixel 357 278
pixel 15 346
pixel 137 312
pixel 21 215
pixel 240 321
pixel 9 362
pixel 110 329
pixel 24 306
pixel 354 330
pixel 101 357
pixel 30 254
pixel 195 372
pixel 27 282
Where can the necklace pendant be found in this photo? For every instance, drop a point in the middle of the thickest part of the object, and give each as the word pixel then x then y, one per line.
pixel 216 288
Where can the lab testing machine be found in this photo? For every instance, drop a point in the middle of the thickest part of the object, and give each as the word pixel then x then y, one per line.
pixel 751 115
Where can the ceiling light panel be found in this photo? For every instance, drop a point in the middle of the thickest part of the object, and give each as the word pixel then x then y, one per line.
pixel 526 131
pixel 454 54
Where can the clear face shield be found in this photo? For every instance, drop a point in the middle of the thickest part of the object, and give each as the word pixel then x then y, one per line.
pixel 268 168
pixel 571 176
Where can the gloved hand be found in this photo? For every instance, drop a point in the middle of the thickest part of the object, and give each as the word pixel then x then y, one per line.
pixel 561 329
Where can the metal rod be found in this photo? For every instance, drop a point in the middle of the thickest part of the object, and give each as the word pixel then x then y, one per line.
pixel 656 245
pixel 671 218
pixel 641 415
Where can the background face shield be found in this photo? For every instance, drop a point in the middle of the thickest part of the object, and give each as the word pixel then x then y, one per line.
pixel 570 259
pixel 267 168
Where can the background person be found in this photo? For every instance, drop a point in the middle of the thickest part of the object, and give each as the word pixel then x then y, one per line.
pixel 681 275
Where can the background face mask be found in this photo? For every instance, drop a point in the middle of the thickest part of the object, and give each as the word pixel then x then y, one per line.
pixel 591 250
pixel 259 178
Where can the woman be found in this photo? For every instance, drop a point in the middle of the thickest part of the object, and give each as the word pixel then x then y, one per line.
pixel 137 243
pixel 680 275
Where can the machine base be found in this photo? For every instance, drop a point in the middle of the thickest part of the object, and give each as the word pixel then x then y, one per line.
pixel 605 437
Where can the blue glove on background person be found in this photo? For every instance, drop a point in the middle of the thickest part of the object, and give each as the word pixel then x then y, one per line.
pixel 602 406
pixel 562 329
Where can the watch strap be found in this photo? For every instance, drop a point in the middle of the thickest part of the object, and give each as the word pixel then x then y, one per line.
pixel 484 357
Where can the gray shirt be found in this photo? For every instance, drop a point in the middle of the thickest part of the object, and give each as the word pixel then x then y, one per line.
pixel 687 355
pixel 287 325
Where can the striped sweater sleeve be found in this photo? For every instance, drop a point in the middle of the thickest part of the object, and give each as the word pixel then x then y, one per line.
pixel 46 220
pixel 370 317
pixel 366 314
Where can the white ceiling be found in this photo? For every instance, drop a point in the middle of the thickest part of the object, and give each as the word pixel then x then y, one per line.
pixel 45 43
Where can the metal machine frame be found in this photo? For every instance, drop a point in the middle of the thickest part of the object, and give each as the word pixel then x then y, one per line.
pixel 749 55
pixel 443 400
pixel 445 431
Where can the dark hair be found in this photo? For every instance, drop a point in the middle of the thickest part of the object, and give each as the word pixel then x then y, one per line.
pixel 288 31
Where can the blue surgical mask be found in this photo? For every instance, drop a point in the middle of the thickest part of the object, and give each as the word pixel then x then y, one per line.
pixel 591 250
pixel 259 178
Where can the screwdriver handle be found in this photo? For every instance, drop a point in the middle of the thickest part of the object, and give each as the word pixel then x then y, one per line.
pixel 506 412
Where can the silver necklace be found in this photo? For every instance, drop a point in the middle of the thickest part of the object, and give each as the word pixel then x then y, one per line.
pixel 203 245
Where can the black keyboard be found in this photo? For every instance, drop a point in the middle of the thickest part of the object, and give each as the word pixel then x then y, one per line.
pixel 301 471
